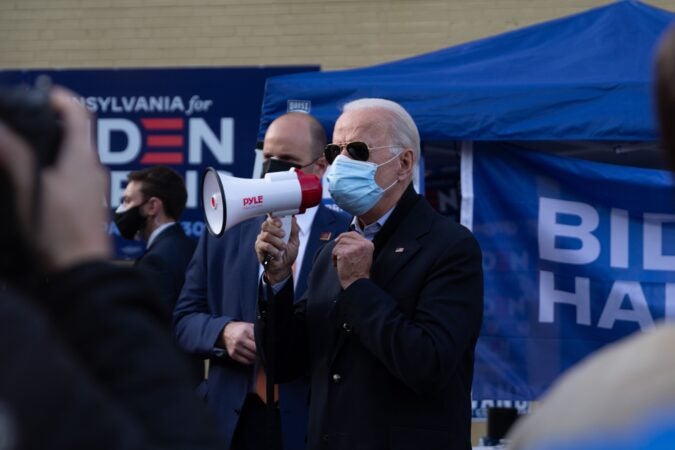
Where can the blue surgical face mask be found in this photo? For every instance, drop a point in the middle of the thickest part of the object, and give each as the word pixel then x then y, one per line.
pixel 352 184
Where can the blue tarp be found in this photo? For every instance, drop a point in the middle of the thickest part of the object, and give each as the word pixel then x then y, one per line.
pixel 582 77
pixel 576 254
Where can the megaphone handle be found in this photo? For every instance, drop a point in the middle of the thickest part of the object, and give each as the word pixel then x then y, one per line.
pixel 286 222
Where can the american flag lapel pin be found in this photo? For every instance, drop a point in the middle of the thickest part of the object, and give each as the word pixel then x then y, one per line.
pixel 399 250
pixel 325 236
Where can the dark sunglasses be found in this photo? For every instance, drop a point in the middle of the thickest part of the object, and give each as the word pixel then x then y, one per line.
pixel 357 150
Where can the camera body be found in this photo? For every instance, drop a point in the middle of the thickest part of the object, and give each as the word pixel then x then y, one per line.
pixel 28 112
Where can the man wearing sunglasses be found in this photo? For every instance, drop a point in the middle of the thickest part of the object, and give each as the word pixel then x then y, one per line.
pixel 215 312
pixel 389 322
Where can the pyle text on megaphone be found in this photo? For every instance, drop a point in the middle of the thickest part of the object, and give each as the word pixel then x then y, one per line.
pixel 228 201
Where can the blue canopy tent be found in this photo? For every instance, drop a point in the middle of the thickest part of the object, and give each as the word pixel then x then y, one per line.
pixel 577 86
pixel 583 77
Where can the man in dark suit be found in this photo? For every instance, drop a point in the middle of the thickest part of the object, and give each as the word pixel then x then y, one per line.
pixel 152 203
pixel 389 322
pixel 215 312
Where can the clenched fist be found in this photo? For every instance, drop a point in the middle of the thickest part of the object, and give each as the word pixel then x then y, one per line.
pixel 353 257
pixel 239 341
pixel 270 244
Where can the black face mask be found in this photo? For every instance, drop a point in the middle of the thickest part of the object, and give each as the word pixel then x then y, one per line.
pixel 130 221
pixel 277 165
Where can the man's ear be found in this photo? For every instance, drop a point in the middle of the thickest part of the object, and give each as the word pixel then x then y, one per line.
pixel 321 165
pixel 154 206
pixel 407 163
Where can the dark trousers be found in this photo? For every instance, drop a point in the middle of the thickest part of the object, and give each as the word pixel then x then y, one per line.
pixel 259 428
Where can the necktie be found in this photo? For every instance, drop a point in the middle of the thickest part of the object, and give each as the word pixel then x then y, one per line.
pixel 295 274
pixel 261 376
pixel 261 385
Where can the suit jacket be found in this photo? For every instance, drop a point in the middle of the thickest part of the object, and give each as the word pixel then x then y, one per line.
pixel 164 263
pixel 221 286
pixel 391 357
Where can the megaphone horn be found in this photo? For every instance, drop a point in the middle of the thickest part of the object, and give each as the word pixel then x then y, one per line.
pixel 227 200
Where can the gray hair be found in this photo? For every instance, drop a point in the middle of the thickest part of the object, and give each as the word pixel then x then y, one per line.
pixel 402 126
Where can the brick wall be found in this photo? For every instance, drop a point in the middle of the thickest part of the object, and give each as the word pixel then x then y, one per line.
pixel 332 33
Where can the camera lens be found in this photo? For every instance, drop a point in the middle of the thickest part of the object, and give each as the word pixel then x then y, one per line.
pixel 28 112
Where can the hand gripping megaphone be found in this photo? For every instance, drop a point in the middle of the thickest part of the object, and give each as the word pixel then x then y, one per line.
pixel 227 201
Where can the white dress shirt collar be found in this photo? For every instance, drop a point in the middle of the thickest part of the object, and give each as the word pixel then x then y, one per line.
pixel 157 232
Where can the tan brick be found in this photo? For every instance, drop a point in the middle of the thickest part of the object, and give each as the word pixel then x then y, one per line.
pixel 333 33
pixel 20 59
pixel 7 6
pixel 48 4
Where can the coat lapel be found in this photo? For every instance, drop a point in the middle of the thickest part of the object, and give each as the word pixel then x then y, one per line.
pixel 397 242
pixel 324 229
pixel 393 258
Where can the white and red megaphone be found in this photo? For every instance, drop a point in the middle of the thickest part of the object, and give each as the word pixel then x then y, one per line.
pixel 227 201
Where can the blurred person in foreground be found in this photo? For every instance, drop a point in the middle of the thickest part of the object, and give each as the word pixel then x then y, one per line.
pixel 388 325
pixel 86 362
pixel 623 396
pixel 215 312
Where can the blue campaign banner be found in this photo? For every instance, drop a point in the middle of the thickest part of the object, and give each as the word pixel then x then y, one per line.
pixel 576 254
pixel 188 119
